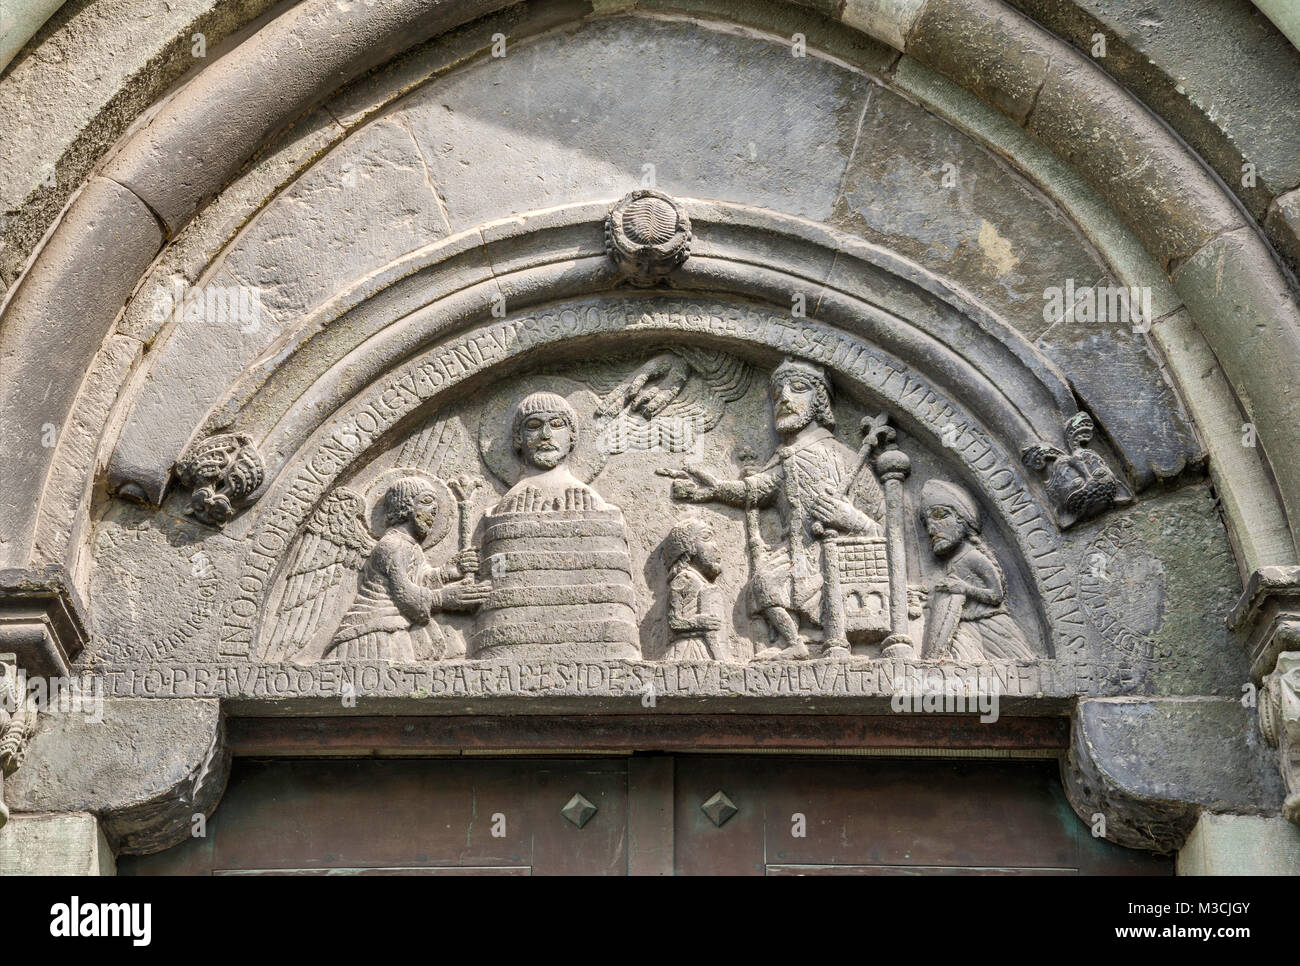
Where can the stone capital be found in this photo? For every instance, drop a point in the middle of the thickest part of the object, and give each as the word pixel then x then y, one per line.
pixel 1267 617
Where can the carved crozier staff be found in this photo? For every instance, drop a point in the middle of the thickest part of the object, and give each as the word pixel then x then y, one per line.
pixel 463 487
pixel 753 530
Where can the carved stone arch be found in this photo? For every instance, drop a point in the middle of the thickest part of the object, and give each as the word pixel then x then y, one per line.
pixel 927 38
pixel 1224 284
pixel 908 313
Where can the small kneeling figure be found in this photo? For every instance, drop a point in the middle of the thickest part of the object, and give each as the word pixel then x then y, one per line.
pixel 695 606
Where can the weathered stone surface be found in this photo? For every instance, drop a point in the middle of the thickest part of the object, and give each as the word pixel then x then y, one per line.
pixel 921 188
pixel 65 843
pixel 1146 767
pixel 491 153
pixel 1246 310
pixel 890 20
pixel 849 41
pixel 984 47
pixel 68 300
pixel 369 200
pixel 1233 100
pixel 282 71
pixel 103 63
pixel 1167 201
pixel 20 23
pixel 1241 845
pixel 1180 601
pixel 145 767
pixel 1283 226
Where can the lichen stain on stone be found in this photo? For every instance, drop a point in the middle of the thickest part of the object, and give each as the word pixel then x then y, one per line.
pixel 996 248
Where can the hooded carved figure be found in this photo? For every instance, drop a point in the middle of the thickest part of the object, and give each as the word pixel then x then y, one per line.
pixel 967 618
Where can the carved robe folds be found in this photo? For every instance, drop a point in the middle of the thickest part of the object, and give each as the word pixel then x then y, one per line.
pixel 812 465
pixel 389 619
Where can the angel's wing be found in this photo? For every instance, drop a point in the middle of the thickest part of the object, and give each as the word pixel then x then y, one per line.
pixel 697 394
pixel 722 379
pixel 334 542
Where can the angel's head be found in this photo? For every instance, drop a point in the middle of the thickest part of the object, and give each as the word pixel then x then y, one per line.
pixel 544 430
pixel 411 500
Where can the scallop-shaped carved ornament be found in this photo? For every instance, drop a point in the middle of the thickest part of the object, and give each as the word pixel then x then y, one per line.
pixel 648 235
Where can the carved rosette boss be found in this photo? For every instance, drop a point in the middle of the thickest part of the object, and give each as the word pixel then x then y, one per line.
pixel 648 235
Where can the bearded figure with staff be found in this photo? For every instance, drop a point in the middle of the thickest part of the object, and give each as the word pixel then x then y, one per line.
pixel 822 491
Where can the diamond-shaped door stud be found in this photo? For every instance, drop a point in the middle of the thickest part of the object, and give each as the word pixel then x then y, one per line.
pixel 578 810
pixel 719 808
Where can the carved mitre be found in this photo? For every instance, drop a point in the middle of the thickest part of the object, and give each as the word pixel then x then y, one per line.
pixel 648 235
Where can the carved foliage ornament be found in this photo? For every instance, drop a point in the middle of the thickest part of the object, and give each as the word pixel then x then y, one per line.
pixel 1279 721
pixel 223 473
pixel 648 235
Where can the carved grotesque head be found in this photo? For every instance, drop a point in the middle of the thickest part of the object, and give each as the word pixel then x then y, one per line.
pixel 411 500
pixel 801 393
pixel 544 430
pixel 693 539
pixel 949 514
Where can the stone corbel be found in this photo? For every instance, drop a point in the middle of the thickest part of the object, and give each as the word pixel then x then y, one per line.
pixel 151 769
pixel 1140 770
pixel 42 621
pixel 1267 617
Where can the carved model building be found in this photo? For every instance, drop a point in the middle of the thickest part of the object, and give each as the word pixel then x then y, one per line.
pixel 561 421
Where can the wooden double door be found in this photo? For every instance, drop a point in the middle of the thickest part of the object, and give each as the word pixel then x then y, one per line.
pixel 654 814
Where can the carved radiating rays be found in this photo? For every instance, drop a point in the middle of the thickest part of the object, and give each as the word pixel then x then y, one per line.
pixel 649 221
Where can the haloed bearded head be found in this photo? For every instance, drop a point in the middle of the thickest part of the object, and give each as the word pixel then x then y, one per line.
pixel 411 499
pixel 801 393
pixel 544 430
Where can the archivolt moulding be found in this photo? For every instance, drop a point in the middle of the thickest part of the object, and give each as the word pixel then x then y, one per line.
pixel 533 259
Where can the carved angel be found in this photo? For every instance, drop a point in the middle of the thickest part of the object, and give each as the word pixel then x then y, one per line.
pixel 397 591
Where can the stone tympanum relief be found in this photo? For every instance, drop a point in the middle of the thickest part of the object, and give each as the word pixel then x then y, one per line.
pixel 397 591
pixel 967 612
pixel 674 504
pixel 557 552
pixel 831 508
